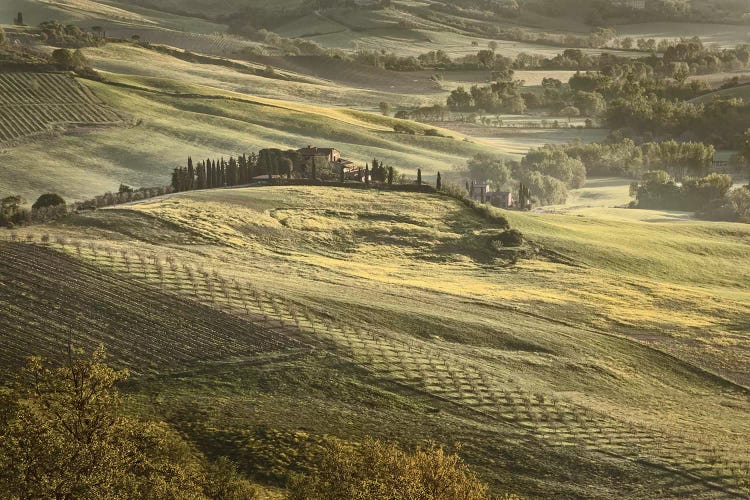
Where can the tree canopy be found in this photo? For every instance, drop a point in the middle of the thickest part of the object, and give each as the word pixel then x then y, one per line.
pixel 63 434
pixel 377 470
pixel 48 200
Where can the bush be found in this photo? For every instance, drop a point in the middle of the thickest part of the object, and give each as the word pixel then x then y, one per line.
pixel 376 470
pixel 511 238
pixel 48 200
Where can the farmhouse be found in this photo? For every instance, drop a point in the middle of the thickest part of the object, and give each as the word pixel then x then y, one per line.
pixel 480 191
pixel 310 152
pixel 631 4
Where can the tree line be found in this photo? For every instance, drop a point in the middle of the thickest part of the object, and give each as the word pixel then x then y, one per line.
pixel 711 197
pixel 272 163
pixel 51 206
pixel 548 172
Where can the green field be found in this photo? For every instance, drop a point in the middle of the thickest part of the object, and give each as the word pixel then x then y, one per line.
pixel 605 341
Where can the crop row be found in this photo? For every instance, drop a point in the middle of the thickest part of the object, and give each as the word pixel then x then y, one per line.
pixel 42 88
pixel 27 120
pixel 52 299
pixel 428 368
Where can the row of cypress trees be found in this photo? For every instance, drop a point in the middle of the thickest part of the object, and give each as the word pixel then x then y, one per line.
pixel 215 173
pixel 239 171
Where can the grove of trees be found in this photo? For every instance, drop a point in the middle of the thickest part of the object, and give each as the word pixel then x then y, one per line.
pixel 711 196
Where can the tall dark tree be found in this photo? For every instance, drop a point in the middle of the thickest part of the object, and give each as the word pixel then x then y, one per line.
pixel 390 176
pixel 439 183
pixel 190 175
pixel 201 176
pixel 419 176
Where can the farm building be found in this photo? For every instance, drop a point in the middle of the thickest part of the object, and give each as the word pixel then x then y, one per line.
pixel 480 191
pixel 501 199
pixel 631 4
pixel 331 154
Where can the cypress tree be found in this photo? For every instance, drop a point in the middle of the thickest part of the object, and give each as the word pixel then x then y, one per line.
pixel 176 180
pixel 314 174
pixel 190 175
pixel 201 181
pixel 242 169
pixel 419 176
pixel 341 174
pixel 439 184
pixel 251 164
pixel 232 177
pixel 390 176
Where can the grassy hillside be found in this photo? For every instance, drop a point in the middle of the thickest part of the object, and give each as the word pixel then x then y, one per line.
pixel 175 119
pixel 143 329
pixel 540 367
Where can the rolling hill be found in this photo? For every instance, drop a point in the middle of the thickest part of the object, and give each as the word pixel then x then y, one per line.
pixel 543 369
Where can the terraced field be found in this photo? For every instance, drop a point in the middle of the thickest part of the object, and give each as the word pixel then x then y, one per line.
pixel 37 103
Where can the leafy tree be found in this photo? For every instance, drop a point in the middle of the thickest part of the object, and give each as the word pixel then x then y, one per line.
pixel 589 103
pixel 486 167
pixel 378 470
pixel 460 100
pixel 10 206
pixel 545 190
pixel 740 202
pixel 516 105
pixel 555 162
pixel 570 111
pixel 63 435
pixel 48 200
pixel 657 189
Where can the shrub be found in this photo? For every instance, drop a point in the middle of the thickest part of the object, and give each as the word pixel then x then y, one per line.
pixel 48 200
pixel 377 470
pixel 511 238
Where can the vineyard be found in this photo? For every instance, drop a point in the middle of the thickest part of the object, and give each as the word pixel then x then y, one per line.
pixel 104 276
pixel 36 103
